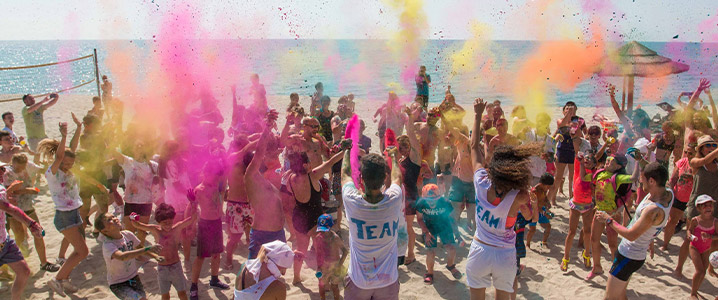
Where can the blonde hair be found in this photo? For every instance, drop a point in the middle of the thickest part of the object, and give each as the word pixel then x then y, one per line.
pixel 262 255
pixel 19 158
pixel 46 150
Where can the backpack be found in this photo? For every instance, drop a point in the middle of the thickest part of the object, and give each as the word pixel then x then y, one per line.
pixel 623 192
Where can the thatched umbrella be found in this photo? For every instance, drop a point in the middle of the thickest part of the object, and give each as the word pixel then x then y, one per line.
pixel 635 59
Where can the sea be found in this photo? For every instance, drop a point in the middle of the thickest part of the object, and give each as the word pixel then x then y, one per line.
pixel 367 68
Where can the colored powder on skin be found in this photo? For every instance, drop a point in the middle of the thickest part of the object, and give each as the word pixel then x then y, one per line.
pixel 389 141
pixel 352 132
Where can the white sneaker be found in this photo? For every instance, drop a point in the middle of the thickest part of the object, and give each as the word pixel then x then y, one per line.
pixel 56 286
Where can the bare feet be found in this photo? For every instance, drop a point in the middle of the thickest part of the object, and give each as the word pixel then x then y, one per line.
pixel 228 265
pixel 678 274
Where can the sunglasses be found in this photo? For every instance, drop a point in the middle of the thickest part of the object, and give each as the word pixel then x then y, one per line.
pixel 713 145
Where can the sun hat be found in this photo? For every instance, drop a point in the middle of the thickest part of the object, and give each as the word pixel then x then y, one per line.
pixel 703 199
pixel 706 139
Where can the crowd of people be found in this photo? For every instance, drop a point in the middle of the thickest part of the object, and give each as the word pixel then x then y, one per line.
pixel 144 196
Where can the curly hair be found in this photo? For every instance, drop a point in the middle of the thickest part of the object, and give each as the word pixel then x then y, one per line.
pixel 164 212
pixel 509 166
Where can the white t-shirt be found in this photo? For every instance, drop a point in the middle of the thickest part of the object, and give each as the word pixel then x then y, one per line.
pixel 12 134
pixel 373 236
pixel 177 198
pixel 538 164
pixel 119 271
pixel 3 231
pixel 138 180
pixel 64 191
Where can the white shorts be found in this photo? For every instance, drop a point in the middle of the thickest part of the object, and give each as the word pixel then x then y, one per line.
pixel 486 263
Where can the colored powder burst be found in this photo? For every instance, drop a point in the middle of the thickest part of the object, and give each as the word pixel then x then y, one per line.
pixel 352 132
pixel 408 41
pixel 559 64
pixel 466 59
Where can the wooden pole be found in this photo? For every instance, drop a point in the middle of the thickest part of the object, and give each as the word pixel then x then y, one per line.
pixel 97 73
pixel 623 95
pixel 630 94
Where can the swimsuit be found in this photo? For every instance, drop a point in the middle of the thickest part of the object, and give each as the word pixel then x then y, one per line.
pixel 701 244
pixel 305 215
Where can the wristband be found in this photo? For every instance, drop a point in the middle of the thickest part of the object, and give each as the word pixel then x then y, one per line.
pixel 609 221
pixel 31 224
pixel 148 248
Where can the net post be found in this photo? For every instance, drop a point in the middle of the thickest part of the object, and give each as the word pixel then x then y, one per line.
pixel 97 72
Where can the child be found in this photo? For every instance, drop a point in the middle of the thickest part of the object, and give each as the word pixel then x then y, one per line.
pixel 329 264
pixel 701 233
pixel 209 241
pixel 434 217
pixel 24 197
pixel 540 191
pixel 169 271
pixel 121 250
pixel 531 212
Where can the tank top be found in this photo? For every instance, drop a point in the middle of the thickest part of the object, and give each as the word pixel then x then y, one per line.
pixel 312 209
pixel 701 244
pixel 704 182
pixel 567 143
pixel 684 185
pixel 254 292
pixel 636 249
pixel 491 219
pixel 410 171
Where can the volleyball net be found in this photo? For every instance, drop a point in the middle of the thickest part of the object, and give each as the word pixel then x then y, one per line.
pixel 77 74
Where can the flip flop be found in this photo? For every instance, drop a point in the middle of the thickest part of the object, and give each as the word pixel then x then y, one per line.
pixel 456 273
pixel 586 259
pixel 428 279
pixel 564 264
pixel 592 274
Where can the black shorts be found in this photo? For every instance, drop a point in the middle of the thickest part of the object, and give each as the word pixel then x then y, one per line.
pixel 566 156
pixel 679 205
pixel 144 210
pixel 623 267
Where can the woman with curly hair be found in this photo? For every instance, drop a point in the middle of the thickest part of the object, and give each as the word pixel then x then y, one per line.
pixel 501 191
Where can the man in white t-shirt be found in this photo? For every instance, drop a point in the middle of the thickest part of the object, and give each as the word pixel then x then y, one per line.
pixel 373 219
pixel 9 119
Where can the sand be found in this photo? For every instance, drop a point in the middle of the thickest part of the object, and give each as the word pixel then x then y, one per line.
pixel 541 279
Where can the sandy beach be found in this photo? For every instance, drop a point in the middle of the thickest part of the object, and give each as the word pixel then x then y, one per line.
pixel 541 279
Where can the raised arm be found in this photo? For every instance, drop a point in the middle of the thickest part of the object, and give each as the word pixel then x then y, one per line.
pixel 260 152
pixel 619 113
pixel 698 162
pixel 37 105
pixel 326 166
pixel 154 229
pixel 346 168
pixel 76 136
pixel 60 152
pixel 52 101
pixel 714 114
pixel 477 151
pixel 415 154
pixel 395 169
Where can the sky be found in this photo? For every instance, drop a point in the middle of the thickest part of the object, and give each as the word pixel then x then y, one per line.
pixel 645 20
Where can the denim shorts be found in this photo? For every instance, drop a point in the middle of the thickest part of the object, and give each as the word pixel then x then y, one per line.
pixel 67 219
pixel 131 289
pixel 170 275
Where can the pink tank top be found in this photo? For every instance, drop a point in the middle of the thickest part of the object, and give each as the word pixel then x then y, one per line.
pixel 701 244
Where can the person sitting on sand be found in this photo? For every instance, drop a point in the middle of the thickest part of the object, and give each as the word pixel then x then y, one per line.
pixel 649 219
pixel 9 252
pixel 501 189
pixel 259 278
pixel 122 250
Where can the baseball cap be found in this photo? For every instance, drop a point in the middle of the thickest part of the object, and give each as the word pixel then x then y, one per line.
pixel 430 191
pixel 324 223
pixel 620 159
pixel 703 199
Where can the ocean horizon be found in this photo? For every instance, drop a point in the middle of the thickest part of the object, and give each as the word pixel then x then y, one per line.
pixel 366 68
